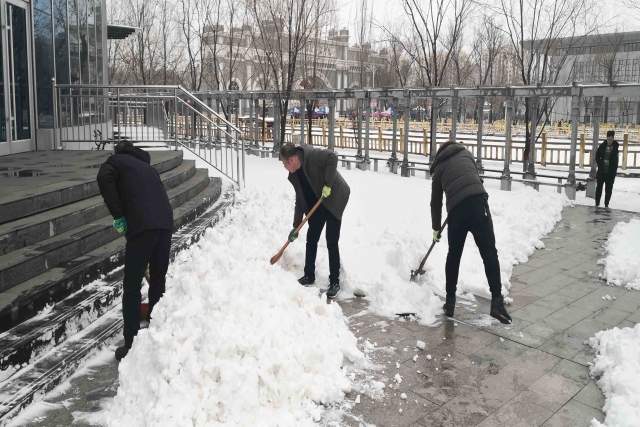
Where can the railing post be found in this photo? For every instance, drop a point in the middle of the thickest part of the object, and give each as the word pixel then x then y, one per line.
pixel 367 163
pixel 380 140
pixel 277 117
pixel 433 141
pixel 360 110
pixel 425 141
pixel 341 135
pixel 582 148
pixel 454 116
pixel 303 111
pixel 252 139
pixel 332 124
pixel 55 114
pixel 393 161
pixel 543 157
pixel 405 160
pixel 530 172
pixel 118 115
pixel 570 186
pixel 505 178
pixel 480 115
pixel 625 150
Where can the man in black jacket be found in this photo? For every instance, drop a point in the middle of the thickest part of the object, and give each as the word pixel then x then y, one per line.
pixel 313 174
pixel 138 202
pixel 454 173
pixel 607 161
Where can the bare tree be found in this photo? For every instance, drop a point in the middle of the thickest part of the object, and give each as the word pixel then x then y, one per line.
pixel 534 30
pixel 192 22
pixel 284 28
pixel 605 65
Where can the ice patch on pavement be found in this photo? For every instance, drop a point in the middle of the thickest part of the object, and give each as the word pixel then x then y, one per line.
pixel 617 363
pixel 622 260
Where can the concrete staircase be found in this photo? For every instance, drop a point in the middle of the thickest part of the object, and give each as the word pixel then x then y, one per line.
pixel 58 253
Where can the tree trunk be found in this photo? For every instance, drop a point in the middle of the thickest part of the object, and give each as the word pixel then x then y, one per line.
pixel 606 109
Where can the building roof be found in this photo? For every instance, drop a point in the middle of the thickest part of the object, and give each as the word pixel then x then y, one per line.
pixel 592 40
pixel 119 32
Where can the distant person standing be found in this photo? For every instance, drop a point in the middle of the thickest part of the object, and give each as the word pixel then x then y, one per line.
pixel 607 161
pixel 136 198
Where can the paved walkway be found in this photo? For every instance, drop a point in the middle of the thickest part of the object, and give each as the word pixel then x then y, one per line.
pixel 533 373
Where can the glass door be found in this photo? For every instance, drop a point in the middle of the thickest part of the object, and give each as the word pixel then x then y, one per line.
pixel 16 124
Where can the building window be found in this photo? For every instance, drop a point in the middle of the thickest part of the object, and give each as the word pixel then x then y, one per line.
pixel 44 66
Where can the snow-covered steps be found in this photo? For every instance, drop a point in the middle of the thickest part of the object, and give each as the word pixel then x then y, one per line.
pixel 58 341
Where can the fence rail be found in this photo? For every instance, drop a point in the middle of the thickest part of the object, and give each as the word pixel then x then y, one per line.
pixel 90 116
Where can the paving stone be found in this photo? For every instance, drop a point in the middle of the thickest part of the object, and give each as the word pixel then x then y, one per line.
pixel 529 367
pixel 581 257
pixel 443 387
pixel 626 324
pixel 574 414
pixel 586 328
pixel 628 304
pixel 591 395
pixel 543 288
pixel 385 412
pixel 517 413
pixel 609 316
pixel 577 289
pixel 535 263
pixel 564 345
pixel 527 339
pixel 546 329
pixel 569 262
pixel 485 362
pixel 532 312
pixel 463 411
pixel 510 347
pixel 521 299
pixel 635 294
pixel 553 390
pixel 635 317
pixel 584 270
pixel 391 335
pixel 522 268
pixel 585 356
pixel 443 357
pixel 556 300
pixel 573 371
pixel 569 314
pixel 539 275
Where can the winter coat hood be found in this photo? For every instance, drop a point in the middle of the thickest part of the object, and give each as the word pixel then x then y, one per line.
pixel 136 152
pixel 448 152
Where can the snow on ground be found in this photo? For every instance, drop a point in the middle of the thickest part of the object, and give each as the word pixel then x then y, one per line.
pixel 622 261
pixel 617 363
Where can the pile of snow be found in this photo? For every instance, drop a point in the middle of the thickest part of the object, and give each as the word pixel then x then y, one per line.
pixel 235 340
pixel 622 261
pixel 618 365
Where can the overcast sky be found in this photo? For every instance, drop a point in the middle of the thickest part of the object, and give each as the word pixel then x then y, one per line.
pixel 612 12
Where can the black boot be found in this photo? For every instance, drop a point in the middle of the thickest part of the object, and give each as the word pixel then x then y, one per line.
pixel 306 281
pixel 449 306
pixel 121 352
pixel 334 290
pixel 499 311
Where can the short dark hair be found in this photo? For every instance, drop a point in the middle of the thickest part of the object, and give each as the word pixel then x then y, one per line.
pixel 611 133
pixel 288 151
pixel 120 146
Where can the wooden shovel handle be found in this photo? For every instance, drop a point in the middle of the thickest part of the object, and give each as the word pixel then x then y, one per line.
pixel 277 256
pixel 419 270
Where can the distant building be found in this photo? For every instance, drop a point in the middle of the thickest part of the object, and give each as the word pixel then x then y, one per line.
pixel 602 58
pixel 338 65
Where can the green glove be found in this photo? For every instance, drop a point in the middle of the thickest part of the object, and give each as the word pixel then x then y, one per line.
pixel 292 235
pixel 436 236
pixel 120 224
pixel 326 192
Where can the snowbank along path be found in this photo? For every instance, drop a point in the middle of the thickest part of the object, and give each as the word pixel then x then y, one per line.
pixel 622 260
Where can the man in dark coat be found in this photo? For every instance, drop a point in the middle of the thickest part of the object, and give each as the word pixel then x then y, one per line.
pixel 607 161
pixel 138 202
pixel 454 173
pixel 313 174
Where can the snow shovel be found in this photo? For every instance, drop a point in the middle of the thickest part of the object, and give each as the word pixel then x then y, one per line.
pixel 277 256
pixel 420 271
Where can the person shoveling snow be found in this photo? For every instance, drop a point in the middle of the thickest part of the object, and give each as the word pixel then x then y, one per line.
pixel 314 176
pixel 454 172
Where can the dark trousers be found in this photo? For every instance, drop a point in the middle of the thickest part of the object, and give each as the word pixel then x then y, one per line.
pixel 150 247
pixel 316 224
pixel 607 180
pixel 472 215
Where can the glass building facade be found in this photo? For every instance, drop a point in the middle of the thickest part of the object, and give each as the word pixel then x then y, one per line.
pixel 69 46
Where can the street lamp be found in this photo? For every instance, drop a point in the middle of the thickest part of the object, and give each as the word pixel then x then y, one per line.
pixel 373 73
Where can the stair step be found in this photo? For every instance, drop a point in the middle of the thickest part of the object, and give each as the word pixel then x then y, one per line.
pixel 25 263
pixel 33 229
pixel 25 202
pixel 50 368
pixel 25 300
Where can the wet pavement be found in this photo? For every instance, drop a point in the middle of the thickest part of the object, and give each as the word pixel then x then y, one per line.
pixel 472 373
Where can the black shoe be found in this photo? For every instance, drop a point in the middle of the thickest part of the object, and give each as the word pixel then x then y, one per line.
pixel 449 306
pixel 306 281
pixel 499 311
pixel 121 352
pixel 334 290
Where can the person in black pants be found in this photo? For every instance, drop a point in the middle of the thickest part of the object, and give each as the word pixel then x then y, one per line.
pixel 138 202
pixel 454 173
pixel 313 174
pixel 607 161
